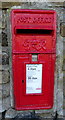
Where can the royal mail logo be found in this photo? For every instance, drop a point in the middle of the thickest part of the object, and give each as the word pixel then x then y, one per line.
pixel 34 20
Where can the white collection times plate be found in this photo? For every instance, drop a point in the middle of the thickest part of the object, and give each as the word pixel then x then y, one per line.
pixel 33 78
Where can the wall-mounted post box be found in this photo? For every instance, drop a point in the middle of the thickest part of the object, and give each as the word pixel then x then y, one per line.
pixel 33 58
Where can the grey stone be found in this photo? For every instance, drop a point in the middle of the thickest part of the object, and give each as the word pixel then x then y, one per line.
pixel 0 116
pixel 1 104
pixel 4 67
pixel 5 58
pixel 64 52
pixel 64 113
pixel 4 39
pixel 5 90
pixel 64 104
pixel 11 113
pixel 0 67
pixel 60 102
pixel 44 113
pixel 62 29
pixel 5 49
pixel 0 58
pixel 64 84
pixel 5 76
pixel 64 66
pixel 5 104
pixel 0 77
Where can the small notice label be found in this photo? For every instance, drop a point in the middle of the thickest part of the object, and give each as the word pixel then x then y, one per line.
pixel 33 78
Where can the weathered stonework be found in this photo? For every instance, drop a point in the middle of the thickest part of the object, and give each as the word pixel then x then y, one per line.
pixel 0 116
pixel 62 29
pixel 5 104
pixel 11 113
pixel 5 90
pixel 1 57
pixel 5 59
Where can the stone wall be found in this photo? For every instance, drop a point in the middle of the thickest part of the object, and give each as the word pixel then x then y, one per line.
pixel 6 99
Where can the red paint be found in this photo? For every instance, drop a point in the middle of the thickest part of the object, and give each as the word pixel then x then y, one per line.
pixel 33 31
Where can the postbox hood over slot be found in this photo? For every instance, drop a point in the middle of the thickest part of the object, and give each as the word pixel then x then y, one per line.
pixel 34 19
pixel 33 31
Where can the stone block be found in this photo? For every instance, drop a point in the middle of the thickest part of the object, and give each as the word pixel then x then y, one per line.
pixel 0 67
pixel 60 102
pixel 11 113
pixel 64 66
pixel 5 49
pixel 5 58
pixel 5 104
pixel 4 76
pixel 64 113
pixel 4 67
pixel 62 29
pixel 0 77
pixel 1 106
pixel 64 104
pixel 44 113
pixel 4 39
pixel 10 3
pixel 64 56
pixel 5 90
pixel 64 84
pixel 0 116
pixel 64 47
pixel 0 57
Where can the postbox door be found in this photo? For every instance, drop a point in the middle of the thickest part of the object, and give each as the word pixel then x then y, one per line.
pixel 33 91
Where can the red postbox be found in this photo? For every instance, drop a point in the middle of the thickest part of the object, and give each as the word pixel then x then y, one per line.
pixel 33 58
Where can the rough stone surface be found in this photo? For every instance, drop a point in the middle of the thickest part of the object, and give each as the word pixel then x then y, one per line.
pixel 5 89
pixel 5 58
pixel 5 104
pixel 1 104
pixel 45 113
pixel 5 76
pixel 4 67
pixel 0 77
pixel 64 104
pixel 64 113
pixel 0 67
pixel 62 29
pixel 64 65
pixel 64 76
pixel 0 57
pixel 4 39
pixel 0 116
pixel 64 48
pixel 11 113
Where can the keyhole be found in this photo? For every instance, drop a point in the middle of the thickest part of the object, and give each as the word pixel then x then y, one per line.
pixel 22 81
